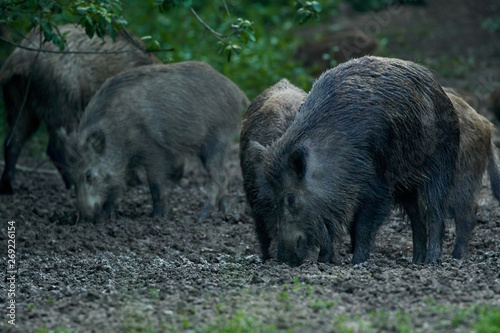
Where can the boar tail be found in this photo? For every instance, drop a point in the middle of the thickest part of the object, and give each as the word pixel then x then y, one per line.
pixel 493 170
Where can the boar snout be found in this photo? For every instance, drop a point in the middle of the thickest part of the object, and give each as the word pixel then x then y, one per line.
pixel 294 248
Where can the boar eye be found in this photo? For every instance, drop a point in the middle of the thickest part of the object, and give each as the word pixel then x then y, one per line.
pixel 290 200
pixel 88 177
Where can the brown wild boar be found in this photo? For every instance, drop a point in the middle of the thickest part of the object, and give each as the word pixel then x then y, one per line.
pixel 154 116
pixel 54 88
pixel 477 153
pixel 266 119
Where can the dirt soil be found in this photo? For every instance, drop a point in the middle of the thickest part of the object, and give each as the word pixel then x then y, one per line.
pixel 138 274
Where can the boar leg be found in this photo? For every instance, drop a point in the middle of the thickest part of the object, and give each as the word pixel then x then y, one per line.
pixel 213 157
pixel 370 216
pixel 436 227
pixel 157 193
pixel 419 230
pixel 263 236
pixel 177 169
pixel 21 127
pixel 56 154
pixel 436 201
pixel 158 169
pixel 465 221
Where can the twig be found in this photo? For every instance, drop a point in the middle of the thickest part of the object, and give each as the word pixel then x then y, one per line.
pixel 77 52
pixel 212 31
pixel 227 9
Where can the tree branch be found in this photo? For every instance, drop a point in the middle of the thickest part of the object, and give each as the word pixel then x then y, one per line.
pixel 78 52
pixel 212 31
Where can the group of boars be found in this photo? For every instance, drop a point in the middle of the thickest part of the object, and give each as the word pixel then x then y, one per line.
pixel 373 134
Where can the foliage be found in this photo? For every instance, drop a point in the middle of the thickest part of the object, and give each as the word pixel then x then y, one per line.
pixel 165 5
pixel 491 24
pixel 307 10
pixel 260 63
pixel 96 16
pixel 105 16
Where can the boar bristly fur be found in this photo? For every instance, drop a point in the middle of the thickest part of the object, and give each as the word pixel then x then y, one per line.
pixel 54 88
pixel 155 116
pixel 477 154
pixel 372 131
pixel 266 119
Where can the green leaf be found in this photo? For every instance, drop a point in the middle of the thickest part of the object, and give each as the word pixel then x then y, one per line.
pixel 89 30
pixel 236 49
pixel 112 32
pixel 317 6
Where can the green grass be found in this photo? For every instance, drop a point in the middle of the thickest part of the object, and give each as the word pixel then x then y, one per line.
pixel 320 305
pixel 486 319
pixel 238 323
pixel 57 330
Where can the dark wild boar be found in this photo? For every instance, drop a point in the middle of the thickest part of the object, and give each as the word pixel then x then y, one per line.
pixel 54 88
pixel 370 132
pixel 154 116
pixel 266 119
pixel 477 153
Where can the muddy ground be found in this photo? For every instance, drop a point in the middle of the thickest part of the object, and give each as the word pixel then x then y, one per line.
pixel 138 274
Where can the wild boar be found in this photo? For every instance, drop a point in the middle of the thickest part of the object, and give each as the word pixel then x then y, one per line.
pixel 154 116
pixel 266 119
pixel 54 88
pixel 372 132
pixel 477 153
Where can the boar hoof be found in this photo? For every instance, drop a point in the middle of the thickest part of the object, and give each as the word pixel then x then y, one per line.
pixel 205 212
pixel 458 252
pixel 360 256
pixel 431 259
pixel 223 205
pixel 159 211
pixel 358 260
pixel 418 258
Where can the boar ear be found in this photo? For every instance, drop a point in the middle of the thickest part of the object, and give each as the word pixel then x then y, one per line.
pixel 298 161
pixel 97 141
pixel 257 151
